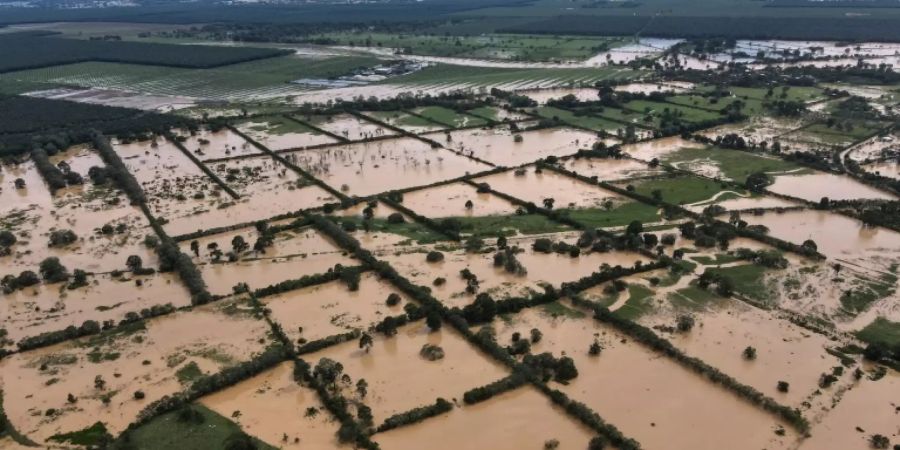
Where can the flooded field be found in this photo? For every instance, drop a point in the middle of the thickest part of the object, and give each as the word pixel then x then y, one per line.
pixel 387 365
pixel 813 187
pixel 658 148
pixel 543 95
pixel 564 192
pixel 375 167
pixel 499 145
pixel 522 418
pixel 611 169
pixel 102 373
pixel 451 200
pixel 279 133
pixel 350 127
pixel 208 144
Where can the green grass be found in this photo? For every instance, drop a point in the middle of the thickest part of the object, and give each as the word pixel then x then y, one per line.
pixel 93 435
pixel 488 112
pixel 492 226
pixel 734 164
pixel 589 122
pixel 166 431
pixel 409 229
pixel 619 216
pixel 640 301
pixel 402 119
pixel 628 116
pixel 866 291
pixel 799 93
pixel 748 280
pixel 720 258
pixel 680 190
pixel 280 126
pixel 692 298
pixel 234 82
pixel 881 330
pixel 188 373
pixel 557 309
pixel 688 114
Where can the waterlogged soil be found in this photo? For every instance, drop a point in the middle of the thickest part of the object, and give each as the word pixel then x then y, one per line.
pixel 498 144
pixel 813 187
pixel 406 121
pixel 535 187
pixel 662 397
pixel 541 268
pixel 758 129
pixel 207 144
pixel 52 307
pixel 522 418
pixel 543 95
pixel 867 408
pixel 131 360
pixel 280 133
pixel 399 379
pixel 274 408
pixel 725 327
pixel 734 201
pixel 450 201
pixel 374 167
pixel 611 169
pixel 324 310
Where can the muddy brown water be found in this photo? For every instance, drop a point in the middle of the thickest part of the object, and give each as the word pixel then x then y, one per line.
pixel 813 187
pixel 450 201
pixel 610 169
pixel 498 145
pixel 531 186
pixel 259 130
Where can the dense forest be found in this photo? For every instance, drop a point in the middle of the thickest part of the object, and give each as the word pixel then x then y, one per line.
pixel 27 120
pixel 30 50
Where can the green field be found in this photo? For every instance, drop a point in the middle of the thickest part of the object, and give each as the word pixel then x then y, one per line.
pixel 449 117
pixel 748 280
pixel 280 125
pixel 681 190
pixel 585 121
pixel 733 164
pixel 493 226
pixel 687 113
pixel 640 301
pixel 881 330
pixel 473 77
pixel 167 431
pixel 619 216
pixel 265 78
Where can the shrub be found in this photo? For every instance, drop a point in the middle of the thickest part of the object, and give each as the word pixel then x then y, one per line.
pixel 434 256
pixel 52 271
pixel 685 323
pixel 7 238
pixel 393 299
pixel 62 238
pixel 749 353
pixel 395 218
pixel 783 386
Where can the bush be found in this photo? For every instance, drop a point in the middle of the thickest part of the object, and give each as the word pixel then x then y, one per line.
pixel 393 299
pixel 7 238
pixel 52 271
pixel 62 238
pixel 396 218
pixel 416 415
pixel 434 256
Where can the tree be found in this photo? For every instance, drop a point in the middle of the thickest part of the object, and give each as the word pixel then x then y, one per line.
pixel 134 263
pixel 393 299
pixel 366 342
pixel 756 181
pixel 474 243
pixel 749 353
pixel 634 228
pixel 27 278
pixel 433 320
pixel 62 238
pixel 548 203
pixel 195 247
pixel 879 441
pixel 685 323
pixel 469 204
pixel 810 245
pixel 7 239
pixel 239 441
pixel 52 271
pixel 783 386
pixel 434 256
pixel 239 245
pixel 395 218
pixel 362 387
pixel 597 443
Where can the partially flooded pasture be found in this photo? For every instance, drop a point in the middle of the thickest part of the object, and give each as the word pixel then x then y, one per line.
pixel 536 186
pixel 450 200
pixel 157 358
pixel 867 408
pixel 279 133
pixel 406 121
pixel 522 418
pixel 208 144
pixel 552 268
pixel 374 167
pixel 324 310
pixel 743 202
pixel 814 186
pixel 499 145
pixel 400 379
pixel 274 408
pixel 757 129
pixel 51 307
pixel 658 148
pixel 644 394
pixel 543 95
pixel 610 169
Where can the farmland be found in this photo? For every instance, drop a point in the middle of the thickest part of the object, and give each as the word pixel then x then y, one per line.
pixel 401 236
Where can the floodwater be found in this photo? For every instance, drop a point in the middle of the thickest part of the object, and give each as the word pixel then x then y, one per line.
pixel 813 187
pixel 206 337
pixel 837 236
pixel 543 95
pixel 498 146
pixel 521 419
pixel 786 352
pixel 886 169
pixel 400 379
pixel 869 408
pixel 206 144
pixel 118 98
pixel 645 395
pixel 273 408
pixel 757 129
pixel 743 203
pixel 267 133
pixel 401 119
pixel 374 167
pixel 328 309
pixel 450 200
pixel 610 169
pixel 542 268
pixel 52 307
pixel 535 187
pixel 647 88
pixel 351 127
